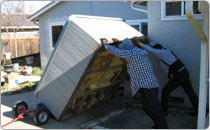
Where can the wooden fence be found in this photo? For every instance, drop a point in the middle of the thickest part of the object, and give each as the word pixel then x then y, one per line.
pixel 24 47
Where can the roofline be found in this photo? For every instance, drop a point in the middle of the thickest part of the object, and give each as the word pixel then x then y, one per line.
pixel 34 17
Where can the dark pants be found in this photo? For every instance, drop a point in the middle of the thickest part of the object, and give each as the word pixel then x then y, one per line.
pixel 179 79
pixel 153 108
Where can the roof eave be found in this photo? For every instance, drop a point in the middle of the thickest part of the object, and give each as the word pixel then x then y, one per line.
pixel 35 16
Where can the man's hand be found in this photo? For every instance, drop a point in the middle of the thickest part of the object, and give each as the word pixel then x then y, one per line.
pixel 115 41
pixel 150 44
pixel 136 39
pixel 137 42
pixel 104 41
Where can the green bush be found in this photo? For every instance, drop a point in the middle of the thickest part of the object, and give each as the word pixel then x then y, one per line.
pixel 8 62
pixel 2 68
pixel 5 87
pixel 37 71
pixel 27 86
pixel 22 87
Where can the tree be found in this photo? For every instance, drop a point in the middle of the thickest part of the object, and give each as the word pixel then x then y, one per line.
pixel 12 18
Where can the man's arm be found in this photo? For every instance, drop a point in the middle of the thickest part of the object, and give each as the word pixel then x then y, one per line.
pixel 125 54
pixel 115 41
pixel 150 49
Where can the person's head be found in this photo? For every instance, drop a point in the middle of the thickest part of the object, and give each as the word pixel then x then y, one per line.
pixel 126 44
pixel 158 46
pixel 144 40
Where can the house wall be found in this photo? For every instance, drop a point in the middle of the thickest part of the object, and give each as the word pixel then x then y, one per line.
pixel 179 36
pixel 64 9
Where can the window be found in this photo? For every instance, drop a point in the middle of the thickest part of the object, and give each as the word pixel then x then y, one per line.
pixel 136 27
pixel 55 29
pixel 176 10
pixel 144 29
pixel 140 25
pixel 173 8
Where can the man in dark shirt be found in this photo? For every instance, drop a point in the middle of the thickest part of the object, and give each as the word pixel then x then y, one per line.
pixel 176 71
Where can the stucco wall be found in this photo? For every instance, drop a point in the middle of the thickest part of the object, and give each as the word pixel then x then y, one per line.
pixel 61 11
pixel 179 36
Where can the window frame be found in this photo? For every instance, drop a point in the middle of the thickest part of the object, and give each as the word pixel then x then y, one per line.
pixel 51 24
pixel 175 17
pixel 137 22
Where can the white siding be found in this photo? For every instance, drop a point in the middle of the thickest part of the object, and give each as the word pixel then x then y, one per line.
pixel 75 48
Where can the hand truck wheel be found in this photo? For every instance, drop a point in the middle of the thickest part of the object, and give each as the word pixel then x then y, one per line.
pixel 41 116
pixel 19 107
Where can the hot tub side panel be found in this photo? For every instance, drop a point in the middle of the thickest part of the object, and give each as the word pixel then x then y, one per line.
pixel 72 56
pixel 99 82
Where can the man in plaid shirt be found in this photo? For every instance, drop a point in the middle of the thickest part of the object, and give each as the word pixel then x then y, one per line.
pixel 142 78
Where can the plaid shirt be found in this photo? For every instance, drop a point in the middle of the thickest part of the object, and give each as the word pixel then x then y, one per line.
pixel 139 67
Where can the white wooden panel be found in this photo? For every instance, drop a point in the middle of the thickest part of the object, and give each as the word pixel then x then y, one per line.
pixel 57 85
pixel 72 71
pixel 46 97
pixel 55 75
pixel 56 96
pixel 72 51
pixel 82 35
pixel 68 64
pixel 77 46
pixel 58 89
pixel 65 66
pixel 76 49
pixel 105 28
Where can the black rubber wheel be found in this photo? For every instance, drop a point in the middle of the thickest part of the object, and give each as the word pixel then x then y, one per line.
pixel 19 105
pixel 41 116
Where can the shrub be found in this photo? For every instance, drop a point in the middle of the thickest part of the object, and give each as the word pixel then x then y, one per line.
pixel 8 62
pixel 22 87
pixel 4 87
pixel 37 71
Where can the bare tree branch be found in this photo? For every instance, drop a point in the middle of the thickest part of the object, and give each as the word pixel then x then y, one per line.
pixel 13 18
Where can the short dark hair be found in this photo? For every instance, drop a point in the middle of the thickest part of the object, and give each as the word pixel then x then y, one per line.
pixel 144 40
pixel 158 46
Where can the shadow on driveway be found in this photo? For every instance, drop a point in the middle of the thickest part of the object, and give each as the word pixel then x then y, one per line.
pixel 72 123
pixel 132 118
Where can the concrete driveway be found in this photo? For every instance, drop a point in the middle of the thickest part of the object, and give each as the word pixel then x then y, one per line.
pixel 131 118
pixel 27 123
pixel 6 111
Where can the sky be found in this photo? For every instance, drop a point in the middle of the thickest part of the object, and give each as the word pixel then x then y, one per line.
pixel 34 5
pixel 29 6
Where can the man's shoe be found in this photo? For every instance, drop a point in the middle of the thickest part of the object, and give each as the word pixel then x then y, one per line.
pixel 193 113
pixel 165 113
pixel 154 127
